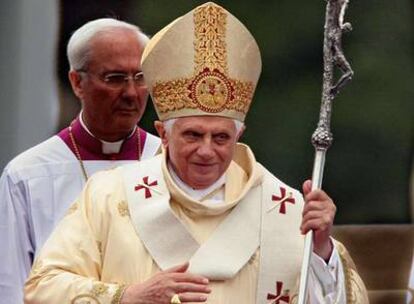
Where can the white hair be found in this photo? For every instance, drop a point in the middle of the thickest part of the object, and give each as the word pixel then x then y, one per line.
pixel 168 125
pixel 79 43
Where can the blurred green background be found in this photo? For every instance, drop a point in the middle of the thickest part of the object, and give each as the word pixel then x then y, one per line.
pixel 368 167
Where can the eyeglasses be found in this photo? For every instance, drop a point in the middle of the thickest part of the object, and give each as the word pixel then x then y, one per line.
pixel 120 80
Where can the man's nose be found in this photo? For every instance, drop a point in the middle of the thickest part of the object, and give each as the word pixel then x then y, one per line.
pixel 206 149
pixel 130 89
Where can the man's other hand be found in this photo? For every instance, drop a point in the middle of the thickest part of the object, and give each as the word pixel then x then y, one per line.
pixel 164 285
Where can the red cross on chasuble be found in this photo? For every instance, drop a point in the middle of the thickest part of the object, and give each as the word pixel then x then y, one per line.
pixel 147 186
pixel 280 296
pixel 283 199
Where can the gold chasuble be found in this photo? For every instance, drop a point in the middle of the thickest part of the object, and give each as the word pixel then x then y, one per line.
pixel 133 221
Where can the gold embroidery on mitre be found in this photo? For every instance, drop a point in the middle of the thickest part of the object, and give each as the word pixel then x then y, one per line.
pixel 210 39
pixel 242 94
pixel 123 209
pixel 209 89
pixel 173 95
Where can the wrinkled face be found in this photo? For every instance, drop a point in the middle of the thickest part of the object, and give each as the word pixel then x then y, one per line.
pixel 200 148
pixel 111 113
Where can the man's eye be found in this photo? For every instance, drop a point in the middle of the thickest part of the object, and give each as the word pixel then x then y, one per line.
pixel 222 137
pixel 139 76
pixel 191 135
pixel 115 78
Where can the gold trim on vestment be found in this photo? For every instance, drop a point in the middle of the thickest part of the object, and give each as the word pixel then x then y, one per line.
pixel 353 288
pixel 85 299
pixel 350 293
pixel 99 289
pixel 118 294
pixel 123 209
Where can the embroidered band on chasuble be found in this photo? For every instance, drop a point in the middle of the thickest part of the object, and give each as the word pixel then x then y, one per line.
pixel 204 63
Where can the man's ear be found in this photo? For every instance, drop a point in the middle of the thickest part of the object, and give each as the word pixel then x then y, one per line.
pixel 162 133
pixel 76 83
pixel 241 132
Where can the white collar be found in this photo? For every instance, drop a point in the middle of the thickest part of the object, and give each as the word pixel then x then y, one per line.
pixel 198 194
pixel 107 147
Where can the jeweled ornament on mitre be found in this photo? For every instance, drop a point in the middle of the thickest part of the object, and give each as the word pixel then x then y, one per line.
pixel 203 63
pixel 211 90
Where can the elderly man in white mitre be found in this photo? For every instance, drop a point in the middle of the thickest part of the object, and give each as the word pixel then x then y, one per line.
pixel 203 221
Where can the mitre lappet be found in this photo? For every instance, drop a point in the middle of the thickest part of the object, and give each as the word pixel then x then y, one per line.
pixel 203 63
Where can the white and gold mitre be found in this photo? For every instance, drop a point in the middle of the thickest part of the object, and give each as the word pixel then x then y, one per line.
pixel 203 63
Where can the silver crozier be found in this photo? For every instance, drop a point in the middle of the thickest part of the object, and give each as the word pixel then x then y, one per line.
pixel 322 137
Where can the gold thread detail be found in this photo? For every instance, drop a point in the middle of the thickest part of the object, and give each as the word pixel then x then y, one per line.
pixel 209 89
pixel 173 95
pixel 210 39
pixel 118 294
pixel 99 289
pixel 123 209
pixel 207 92
pixel 85 299
pixel 243 95
pixel 350 296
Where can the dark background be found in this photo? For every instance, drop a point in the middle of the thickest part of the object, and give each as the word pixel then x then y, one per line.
pixel 368 167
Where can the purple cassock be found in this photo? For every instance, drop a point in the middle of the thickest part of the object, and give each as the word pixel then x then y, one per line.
pixel 91 148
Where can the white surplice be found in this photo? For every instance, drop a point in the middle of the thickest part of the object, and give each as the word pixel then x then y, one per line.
pixel 36 189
